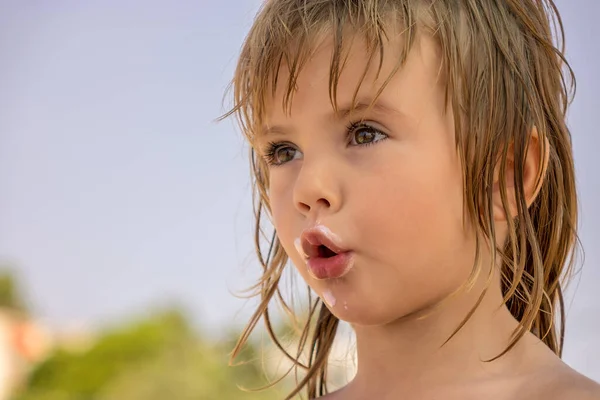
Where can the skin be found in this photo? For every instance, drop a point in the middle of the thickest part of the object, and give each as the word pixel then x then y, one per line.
pixel 398 205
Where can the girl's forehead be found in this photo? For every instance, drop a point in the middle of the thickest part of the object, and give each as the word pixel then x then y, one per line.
pixel 357 81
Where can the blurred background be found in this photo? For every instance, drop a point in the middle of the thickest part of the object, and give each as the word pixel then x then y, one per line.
pixel 125 210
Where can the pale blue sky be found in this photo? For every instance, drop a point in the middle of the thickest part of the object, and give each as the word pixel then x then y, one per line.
pixel 118 191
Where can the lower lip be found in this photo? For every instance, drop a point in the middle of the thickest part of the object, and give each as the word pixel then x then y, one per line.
pixel 332 267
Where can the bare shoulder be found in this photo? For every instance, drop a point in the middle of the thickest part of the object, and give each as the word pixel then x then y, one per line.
pixel 573 385
pixel 565 383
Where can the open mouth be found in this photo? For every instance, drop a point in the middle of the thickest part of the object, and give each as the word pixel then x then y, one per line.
pixel 325 252
pixel 319 243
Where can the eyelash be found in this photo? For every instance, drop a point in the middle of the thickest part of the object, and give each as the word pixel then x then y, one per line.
pixel 272 147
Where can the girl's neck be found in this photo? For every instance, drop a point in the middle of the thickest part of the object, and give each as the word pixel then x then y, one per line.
pixel 409 354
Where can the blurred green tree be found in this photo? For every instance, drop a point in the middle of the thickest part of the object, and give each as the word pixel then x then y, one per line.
pixel 10 296
pixel 157 358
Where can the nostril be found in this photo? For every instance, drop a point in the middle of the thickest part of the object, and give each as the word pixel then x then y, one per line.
pixel 303 207
pixel 324 202
pixel 306 207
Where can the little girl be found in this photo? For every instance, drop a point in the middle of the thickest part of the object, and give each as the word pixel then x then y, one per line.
pixel 413 158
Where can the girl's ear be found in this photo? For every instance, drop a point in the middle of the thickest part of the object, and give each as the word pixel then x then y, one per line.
pixel 534 172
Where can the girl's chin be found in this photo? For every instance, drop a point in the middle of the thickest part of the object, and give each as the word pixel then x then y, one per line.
pixel 362 313
pixel 358 315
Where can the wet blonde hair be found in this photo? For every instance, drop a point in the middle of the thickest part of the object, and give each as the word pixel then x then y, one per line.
pixel 503 76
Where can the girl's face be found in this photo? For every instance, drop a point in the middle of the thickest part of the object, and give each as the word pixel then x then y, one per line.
pixel 386 181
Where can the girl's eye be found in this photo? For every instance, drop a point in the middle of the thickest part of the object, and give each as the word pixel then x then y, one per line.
pixel 364 134
pixel 280 153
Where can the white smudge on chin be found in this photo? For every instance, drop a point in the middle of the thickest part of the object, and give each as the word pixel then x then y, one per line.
pixel 328 297
pixel 298 246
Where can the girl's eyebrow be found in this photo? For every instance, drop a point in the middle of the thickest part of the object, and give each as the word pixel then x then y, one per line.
pixel 362 105
pixel 271 130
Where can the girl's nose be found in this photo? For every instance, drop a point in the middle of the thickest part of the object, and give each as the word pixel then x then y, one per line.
pixel 317 188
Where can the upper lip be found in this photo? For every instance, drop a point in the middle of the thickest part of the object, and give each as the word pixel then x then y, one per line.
pixel 319 235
